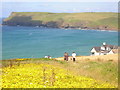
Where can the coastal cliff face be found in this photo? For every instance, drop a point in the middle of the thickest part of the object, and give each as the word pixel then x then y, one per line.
pixel 101 21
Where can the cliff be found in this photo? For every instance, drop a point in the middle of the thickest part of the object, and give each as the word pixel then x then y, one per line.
pixel 88 20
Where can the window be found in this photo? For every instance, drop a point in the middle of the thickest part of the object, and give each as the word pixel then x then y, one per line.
pixel 105 54
pixel 93 53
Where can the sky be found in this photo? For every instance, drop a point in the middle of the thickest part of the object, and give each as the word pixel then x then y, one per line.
pixel 65 6
pixel 60 0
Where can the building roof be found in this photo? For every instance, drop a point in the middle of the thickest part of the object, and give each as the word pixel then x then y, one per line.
pixel 111 46
pixel 114 48
pixel 97 49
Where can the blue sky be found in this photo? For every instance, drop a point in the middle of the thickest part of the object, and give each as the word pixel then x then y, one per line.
pixel 58 7
pixel 61 0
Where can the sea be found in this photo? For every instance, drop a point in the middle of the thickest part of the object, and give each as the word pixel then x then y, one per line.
pixel 37 42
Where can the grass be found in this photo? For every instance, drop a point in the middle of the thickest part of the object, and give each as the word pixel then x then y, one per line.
pixel 99 70
pixel 43 75
pixel 90 19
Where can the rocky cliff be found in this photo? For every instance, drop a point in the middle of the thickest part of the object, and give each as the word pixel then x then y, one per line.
pixel 88 20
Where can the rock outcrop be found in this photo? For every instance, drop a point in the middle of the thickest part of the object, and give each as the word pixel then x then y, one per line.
pixel 101 21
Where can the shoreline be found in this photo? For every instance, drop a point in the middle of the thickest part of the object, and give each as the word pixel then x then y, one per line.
pixel 110 57
pixel 96 20
pixel 110 30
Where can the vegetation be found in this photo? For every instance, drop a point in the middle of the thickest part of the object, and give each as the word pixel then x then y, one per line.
pixel 50 73
pixel 88 20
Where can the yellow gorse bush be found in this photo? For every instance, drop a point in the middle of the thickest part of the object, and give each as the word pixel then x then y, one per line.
pixel 21 59
pixel 45 76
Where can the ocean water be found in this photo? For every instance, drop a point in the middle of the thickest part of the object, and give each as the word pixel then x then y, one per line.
pixel 36 42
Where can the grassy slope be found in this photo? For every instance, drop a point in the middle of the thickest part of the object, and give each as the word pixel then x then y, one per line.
pixel 104 71
pixel 90 19
pixel 110 57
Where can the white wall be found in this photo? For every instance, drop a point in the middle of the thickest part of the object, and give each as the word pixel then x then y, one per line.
pixel 97 53
pixel 94 51
pixel 102 48
pixel 111 52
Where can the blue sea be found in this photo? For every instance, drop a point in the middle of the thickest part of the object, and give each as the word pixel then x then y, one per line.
pixel 36 42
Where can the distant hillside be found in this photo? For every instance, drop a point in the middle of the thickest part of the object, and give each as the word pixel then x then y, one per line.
pixel 88 20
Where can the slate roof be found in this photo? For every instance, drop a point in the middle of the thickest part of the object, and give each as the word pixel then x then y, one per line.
pixel 115 50
pixel 98 49
pixel 112 47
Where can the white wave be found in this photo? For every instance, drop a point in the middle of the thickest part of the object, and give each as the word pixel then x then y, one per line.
pixel 112 31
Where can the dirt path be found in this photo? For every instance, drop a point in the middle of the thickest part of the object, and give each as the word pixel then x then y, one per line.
pixel 112 57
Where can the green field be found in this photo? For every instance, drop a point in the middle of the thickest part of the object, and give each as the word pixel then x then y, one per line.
pixel 87 20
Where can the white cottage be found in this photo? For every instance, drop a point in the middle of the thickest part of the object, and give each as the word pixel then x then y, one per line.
pixel 104 49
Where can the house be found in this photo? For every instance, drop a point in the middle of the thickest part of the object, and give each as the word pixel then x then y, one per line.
pixel 105 49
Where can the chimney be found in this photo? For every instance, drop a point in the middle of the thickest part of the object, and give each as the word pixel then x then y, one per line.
pixel 104 43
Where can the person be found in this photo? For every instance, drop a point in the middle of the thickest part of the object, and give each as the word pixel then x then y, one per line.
pixel 66 56
pixel 49 57
pixel 74 56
